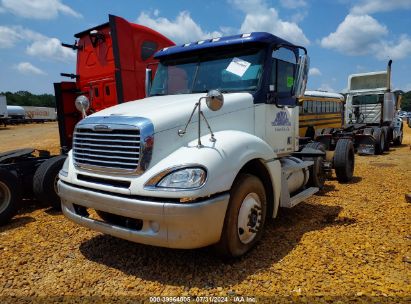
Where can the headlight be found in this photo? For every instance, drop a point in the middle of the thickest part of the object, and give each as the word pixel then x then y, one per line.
pixel 64 170
pixel 187 178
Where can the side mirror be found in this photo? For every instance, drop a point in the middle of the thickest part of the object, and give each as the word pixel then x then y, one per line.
pixel 82 104
pixel 214 100
pixel 149 75
pixel 302 76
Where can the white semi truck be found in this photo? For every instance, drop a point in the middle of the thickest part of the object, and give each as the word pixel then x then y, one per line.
pixel 370 114
pixel 157 175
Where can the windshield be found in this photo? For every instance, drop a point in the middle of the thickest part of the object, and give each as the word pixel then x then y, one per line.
pixel 228 72
pixel 367 99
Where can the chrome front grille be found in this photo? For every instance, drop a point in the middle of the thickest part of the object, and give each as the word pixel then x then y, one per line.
pixel 116 149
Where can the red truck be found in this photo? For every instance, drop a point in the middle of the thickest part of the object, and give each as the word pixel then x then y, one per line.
pixel 109 70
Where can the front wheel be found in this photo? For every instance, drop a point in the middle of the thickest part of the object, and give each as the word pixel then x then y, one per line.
pixel 245 217
pixel 379 141
pixel 398 140
pixel 387 138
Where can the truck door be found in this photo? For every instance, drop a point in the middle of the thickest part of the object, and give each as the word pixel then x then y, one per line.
pixel 282 108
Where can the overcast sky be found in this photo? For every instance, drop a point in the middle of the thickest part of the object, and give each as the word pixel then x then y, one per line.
pixel 342 36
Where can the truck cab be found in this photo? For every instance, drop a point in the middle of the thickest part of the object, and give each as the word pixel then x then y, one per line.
pixel 206 158
pixel 110 69
pixel 371 109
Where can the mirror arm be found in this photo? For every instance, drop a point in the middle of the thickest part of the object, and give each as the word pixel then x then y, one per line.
pixel 182 132
pixel 212 139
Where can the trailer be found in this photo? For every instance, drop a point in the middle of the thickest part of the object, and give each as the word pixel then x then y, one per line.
pixel 3 110
pixel 370 118
pixel 110 69
pixel 40 114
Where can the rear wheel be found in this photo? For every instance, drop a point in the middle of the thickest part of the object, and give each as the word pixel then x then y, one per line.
pixel 45 181
pixel 317 174
pixel 344 160
pixel 10 196
pixel 245 217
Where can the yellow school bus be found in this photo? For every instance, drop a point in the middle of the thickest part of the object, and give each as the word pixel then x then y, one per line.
pixel 319 110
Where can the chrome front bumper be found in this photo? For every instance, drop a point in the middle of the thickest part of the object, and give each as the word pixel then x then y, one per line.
pixel 174 225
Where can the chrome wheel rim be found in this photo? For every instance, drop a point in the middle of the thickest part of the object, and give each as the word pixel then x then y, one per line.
pixel 5 197
pixel 249 218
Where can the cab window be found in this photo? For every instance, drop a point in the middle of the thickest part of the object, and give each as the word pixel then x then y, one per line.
pixel 282 76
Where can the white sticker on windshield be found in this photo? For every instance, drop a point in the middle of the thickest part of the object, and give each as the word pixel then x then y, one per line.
pixel 238 66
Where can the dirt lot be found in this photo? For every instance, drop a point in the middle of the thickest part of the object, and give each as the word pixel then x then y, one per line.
pixel 350 243
pixel 39 136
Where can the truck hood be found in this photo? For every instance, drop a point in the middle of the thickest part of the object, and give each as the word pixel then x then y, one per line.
pixel 172 111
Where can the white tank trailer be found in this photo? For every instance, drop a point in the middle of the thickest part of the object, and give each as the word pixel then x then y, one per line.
pixel 370 118
pixel 16 114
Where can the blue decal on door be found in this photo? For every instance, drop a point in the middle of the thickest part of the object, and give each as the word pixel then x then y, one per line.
pixel 281 119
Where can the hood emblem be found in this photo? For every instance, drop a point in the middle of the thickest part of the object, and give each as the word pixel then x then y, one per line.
pixel 102 128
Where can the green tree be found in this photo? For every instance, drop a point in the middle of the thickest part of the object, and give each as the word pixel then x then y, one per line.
pixel 406 102
pixel 24 98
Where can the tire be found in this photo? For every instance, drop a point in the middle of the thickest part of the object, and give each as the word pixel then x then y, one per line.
pixel 317 175
pixel 379 137
pixel 247 203
pixel 344 160
pixel 386 131
pixel 10 196
pixel 45 181
pixel 398 140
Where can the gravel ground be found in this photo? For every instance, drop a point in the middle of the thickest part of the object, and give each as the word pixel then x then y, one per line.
pixel 349 243
pixel 39 136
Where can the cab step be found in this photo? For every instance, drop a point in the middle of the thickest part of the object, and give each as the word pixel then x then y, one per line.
pixel 289 202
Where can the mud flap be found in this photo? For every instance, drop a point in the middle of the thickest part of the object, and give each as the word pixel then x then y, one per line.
pixel 365 144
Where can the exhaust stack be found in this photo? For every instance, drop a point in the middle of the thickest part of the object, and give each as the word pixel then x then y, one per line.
pixel 389 76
